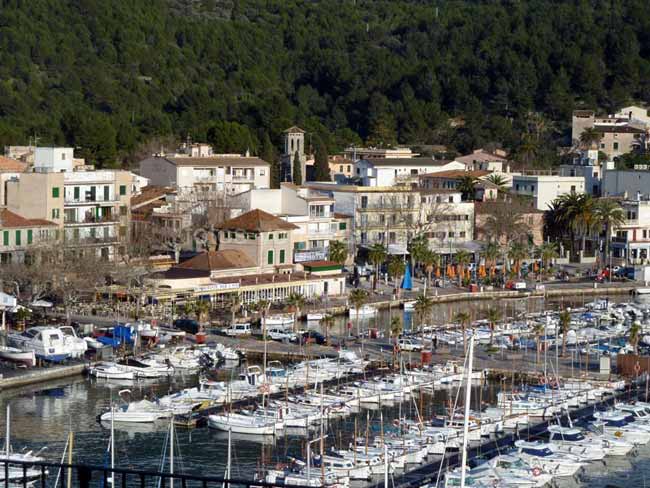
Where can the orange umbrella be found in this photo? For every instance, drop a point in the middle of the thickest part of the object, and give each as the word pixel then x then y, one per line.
pixel 451 272
pixel 481 271
pixel 535 267
pixel 437 272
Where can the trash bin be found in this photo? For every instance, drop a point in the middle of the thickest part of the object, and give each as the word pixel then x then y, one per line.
pixel 200 337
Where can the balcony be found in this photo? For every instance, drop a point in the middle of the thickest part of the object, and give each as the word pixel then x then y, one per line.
pixel 106 219
pixel 91 241
pixel 619 240
pixel 78 201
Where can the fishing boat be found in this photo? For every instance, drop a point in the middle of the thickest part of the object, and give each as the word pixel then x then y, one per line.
pixel 14 355
pixel 111 371
pixel 242 424
pixel 48 343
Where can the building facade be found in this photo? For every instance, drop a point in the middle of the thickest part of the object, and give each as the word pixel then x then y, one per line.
pixel 385 172
pixel 21 239
pixel 544 189
pixel 631 240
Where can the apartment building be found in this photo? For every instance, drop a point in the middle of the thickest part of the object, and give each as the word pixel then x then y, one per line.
pixel 384 172
pixel 544 189
pixel 631 240
pixel 22 239
pixel 90 208
pixel 197 168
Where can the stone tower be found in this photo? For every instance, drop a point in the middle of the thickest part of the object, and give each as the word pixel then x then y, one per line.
pixel 294 140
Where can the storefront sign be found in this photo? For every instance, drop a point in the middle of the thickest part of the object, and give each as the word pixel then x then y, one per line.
pixel 304 256
pixel 218 286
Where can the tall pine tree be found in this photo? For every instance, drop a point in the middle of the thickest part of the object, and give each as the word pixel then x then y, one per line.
pixel 269 154
pixel 321 163
pixel 297 170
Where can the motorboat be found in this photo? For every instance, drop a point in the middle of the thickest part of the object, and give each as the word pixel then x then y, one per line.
pixel 77 345
pixel 363 311
pixel 48 343
pixel 409 305
pixel 93 343
pixel 148 369
pixel 142 411
pixel 14 355
pixel 279 319
pixel 111 371
pixel 315 317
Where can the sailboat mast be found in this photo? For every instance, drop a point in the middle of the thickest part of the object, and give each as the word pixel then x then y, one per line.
pixel 322 440
pixel 8 434
pixel 468 398
pixel 70 448
pixel 230 455
pixel 171 451
pixel 112 443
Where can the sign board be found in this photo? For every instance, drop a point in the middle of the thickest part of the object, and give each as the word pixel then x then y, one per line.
pixel 7 301
pixel 218 286
pixel 304 256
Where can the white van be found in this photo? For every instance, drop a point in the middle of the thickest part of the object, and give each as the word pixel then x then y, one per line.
pixel 238 330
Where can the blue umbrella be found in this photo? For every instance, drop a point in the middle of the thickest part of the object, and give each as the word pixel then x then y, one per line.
pixel 407 283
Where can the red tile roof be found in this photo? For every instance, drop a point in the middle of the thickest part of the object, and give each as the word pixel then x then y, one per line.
pixel 150 194
pixel 215 260
pixel 10 219
pixel 8 165
pixel 257 221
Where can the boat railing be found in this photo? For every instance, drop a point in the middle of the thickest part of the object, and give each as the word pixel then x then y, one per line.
pixel 41 474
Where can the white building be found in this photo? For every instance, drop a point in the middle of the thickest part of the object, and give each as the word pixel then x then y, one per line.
pixel 312 212
pixel 482 160
pixel 544 189
pixel 588 166
pixel 230 173
pixel 384 172
pixel 356 153
pixel 631 240
pixel 53 159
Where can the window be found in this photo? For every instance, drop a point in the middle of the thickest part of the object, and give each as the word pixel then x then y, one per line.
pixel 573 188
pixel 123 210
pixel 122 231
pixel 340 169
pixel 5 238
pixel 262 172
pixel 299 246
pixel 233 235
pixel 250 236
pixel 282 235
pixel 349 168
pixel 55 192
pixel 55 213
pixel 451 234
pixel 281 256
pixel 451 199
pixel 17 238
pixel 602 145
pixel 122 190
pixel 106 193
pixel 461 234
pixel 343 225
pixel 270 237
pixel 615 146
pixel 269 257
pixel 30 236
pixel 414 171
pixel 364 202
pixel 76 193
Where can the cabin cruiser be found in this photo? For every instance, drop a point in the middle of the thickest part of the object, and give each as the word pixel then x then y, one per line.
pixel 77 345
pixel 243 424
pixel 142 411
pixel 48 343
pixel 111 371
pixel 574 441
pixel 548 459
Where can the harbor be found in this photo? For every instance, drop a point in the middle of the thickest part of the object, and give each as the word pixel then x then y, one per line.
pixel 377 412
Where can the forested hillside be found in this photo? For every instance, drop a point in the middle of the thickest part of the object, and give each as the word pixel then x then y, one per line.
pixel 108 75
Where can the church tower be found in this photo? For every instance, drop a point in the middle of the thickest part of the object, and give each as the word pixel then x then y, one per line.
pixel 294 141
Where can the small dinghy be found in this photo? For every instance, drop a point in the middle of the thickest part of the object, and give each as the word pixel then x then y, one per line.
pixel 111 371
pixel 14 355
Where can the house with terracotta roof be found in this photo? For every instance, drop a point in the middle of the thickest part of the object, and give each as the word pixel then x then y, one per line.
pixel 392 171
pixel 310 210
pixel 267 239
pixel 195 167
pixel 21 238
pixel 482 159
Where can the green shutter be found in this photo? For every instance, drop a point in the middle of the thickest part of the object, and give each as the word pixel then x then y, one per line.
pixel 270 237
pixel 76 193
pixel 17 238
pixel 281 256
pixel 5 238
pixel 30 236
pixel 269 257
pixel 122 190
pixel 342 226
pixel 55 192
pixel 106 192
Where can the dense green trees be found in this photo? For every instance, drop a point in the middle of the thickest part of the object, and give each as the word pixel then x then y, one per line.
pixel 108 76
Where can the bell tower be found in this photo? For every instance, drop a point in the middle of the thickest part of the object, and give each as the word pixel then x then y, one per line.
pixel 294 141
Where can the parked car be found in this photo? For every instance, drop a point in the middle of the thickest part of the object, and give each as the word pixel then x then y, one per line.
pixel 281 334
pixel 310 337
pixel 188 325
pixel 409 345
pixel 238 330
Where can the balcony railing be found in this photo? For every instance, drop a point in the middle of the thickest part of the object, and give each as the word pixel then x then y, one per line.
pixel 104 219
pixel 79 201
pixel 80 241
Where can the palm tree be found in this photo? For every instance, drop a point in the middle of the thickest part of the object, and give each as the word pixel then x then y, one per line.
pixel 517 253
pixel 463 258
pixel 235 306
pixel 491 253
pixel 498 180
pixel 418 247
pixel 576 210
pixel 358 297
pixel 296 301
pixel 565 324
pixel 538 330
pixel 423 306
pixel 396 328
pixel 431 260
pixel 608 214
pixel 493 316
pixel 463 319
pixel 190 308
pixel 396 268
pixel 467 186
pixel 547 251
pixel 377 254
pixel 338 252
pixel 590 137
pixel 635 336
pixel 202 309
pixel 326 323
